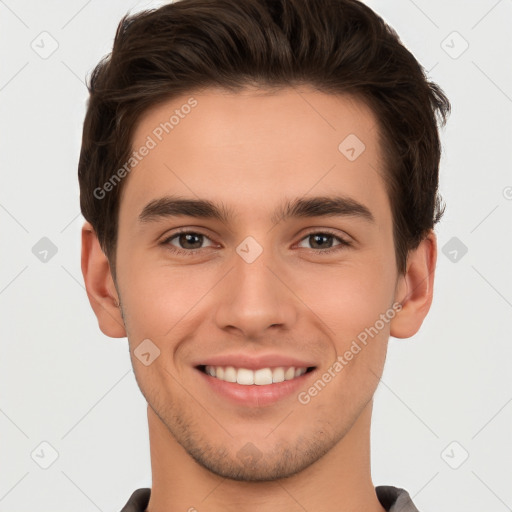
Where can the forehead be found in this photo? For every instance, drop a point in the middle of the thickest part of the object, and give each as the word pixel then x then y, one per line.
pixel 249 148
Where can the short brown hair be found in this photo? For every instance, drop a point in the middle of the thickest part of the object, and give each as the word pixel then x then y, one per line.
pixel 336 46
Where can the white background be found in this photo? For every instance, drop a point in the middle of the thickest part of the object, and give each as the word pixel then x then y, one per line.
pixel 65 383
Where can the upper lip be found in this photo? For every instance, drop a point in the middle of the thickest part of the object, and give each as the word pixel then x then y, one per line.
pixel 252 362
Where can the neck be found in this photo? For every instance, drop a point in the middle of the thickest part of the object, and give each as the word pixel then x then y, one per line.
pixel 340 481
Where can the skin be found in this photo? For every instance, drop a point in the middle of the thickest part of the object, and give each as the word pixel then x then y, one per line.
pixel 251 150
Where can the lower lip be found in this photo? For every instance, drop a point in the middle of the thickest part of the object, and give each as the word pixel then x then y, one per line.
pixel 254 395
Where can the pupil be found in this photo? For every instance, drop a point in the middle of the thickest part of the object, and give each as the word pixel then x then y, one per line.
pixel 316 237
pixel 188 238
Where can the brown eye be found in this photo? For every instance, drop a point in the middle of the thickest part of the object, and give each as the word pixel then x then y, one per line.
pixel 323 242
pixel 186 242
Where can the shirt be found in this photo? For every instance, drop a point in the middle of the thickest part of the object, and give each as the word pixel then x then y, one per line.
pixel 393 499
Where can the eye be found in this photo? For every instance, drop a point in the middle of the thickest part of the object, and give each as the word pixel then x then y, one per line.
pixel 322 241
pixel 186 242
pixel 191 242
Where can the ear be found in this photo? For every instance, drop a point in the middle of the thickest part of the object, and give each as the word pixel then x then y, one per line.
pixel 415 288
pixel 100 285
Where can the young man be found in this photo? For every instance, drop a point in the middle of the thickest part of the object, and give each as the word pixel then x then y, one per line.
pixel 259 181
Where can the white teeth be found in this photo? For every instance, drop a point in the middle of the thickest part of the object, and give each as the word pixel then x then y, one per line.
pixel 289 374
pixel 263 376
pixel 229 374
pixel 260 377
pixel 245 377
pixel 278 375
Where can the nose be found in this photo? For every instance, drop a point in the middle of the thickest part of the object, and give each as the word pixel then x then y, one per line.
pixel 256 297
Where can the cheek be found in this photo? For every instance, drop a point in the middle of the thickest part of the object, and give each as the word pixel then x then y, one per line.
pixel 349 297
pixel 354 306
pixel 157 299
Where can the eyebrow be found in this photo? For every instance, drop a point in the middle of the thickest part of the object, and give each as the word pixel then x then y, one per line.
pixel 305 207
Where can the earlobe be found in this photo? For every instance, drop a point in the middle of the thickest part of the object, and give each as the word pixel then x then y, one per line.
pixel 415 289
pixel 100 285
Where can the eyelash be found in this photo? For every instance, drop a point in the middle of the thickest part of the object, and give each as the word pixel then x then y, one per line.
pixel 343 243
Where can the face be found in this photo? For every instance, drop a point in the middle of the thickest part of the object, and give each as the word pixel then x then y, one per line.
pixel 263 278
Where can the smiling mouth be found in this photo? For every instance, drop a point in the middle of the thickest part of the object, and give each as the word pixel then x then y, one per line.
pixel 259 377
